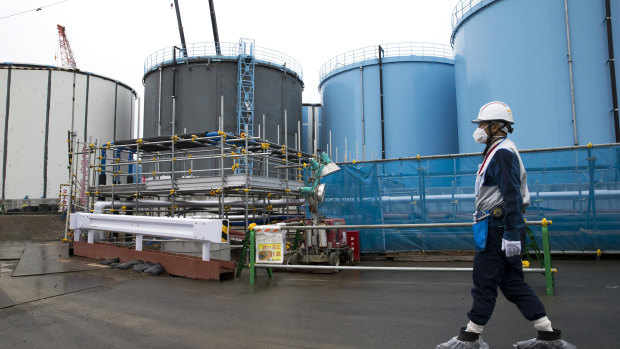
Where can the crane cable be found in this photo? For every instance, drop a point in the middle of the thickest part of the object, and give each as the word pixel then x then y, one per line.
pixel 34 9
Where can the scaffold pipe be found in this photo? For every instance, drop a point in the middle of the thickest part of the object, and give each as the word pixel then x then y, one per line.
pixel 100 206
pixel 374 268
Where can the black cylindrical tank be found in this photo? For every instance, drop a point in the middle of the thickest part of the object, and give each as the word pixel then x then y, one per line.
pixel 201 81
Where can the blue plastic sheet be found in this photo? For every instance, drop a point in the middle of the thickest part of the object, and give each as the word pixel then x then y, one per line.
pixel 578 189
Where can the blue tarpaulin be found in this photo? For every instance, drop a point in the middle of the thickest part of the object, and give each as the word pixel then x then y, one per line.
pixel 578 189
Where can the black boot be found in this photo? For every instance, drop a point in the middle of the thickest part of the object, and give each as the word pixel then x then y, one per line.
pixel 467 336
pixel 545 340
pixel 547 336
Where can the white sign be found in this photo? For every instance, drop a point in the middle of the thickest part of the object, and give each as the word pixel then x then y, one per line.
pixel 269 244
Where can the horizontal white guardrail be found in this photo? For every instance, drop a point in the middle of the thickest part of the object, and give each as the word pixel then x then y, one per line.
pixel 201 230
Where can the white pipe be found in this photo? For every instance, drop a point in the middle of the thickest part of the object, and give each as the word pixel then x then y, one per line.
pixel 159 108
pixel 222 112
pixel 331 145
pixel 370 268
pixel 298 138
pixel 233 217
pixel 102 205
pixel 561 195
pixel 363 122
pixel 316 131
pixel 570 70
pixel 310 128
pixel 139 105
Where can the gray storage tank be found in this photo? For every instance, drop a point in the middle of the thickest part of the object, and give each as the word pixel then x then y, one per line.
pixel 203 80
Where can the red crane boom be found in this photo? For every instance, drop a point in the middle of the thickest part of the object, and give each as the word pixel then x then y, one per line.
pixel 66 55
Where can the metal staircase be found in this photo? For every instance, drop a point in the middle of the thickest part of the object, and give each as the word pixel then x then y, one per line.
pixel 245 96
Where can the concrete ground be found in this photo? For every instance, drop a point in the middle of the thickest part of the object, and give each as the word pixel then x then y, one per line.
pixel 109 308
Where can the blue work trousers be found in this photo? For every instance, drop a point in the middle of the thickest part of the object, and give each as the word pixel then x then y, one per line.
pixel 492 269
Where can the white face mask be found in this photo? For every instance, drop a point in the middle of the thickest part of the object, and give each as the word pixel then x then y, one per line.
pixel 480 136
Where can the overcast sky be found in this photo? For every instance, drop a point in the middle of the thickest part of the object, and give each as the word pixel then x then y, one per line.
pixel 114 37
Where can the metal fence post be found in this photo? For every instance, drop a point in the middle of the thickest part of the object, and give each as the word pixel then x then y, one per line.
pixel 547 256
pixel 252 255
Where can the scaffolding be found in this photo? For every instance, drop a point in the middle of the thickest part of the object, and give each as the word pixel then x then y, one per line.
pixel 203 174
pixel 245 94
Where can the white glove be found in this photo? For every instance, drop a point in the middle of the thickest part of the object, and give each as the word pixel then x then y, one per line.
pixel 512 248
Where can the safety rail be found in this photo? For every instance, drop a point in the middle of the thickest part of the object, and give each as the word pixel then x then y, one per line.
pixel 403 49
pixel 200 230
pixel 229 50
pixel 461 8
pixel 545 269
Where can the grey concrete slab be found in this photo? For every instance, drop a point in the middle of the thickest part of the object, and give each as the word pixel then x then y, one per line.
pixel 15 291
pixel 10 250
pixel 49 258
pixel 298 310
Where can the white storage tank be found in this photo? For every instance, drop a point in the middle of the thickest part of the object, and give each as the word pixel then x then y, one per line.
pixel 36 113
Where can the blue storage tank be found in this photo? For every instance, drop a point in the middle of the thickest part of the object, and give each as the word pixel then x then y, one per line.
pixel 516 51
pixel 419 102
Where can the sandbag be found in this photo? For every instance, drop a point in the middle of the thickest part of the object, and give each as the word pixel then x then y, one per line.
pixel 156 269
pixel 142 267
pixel 109 261
pixel 127 265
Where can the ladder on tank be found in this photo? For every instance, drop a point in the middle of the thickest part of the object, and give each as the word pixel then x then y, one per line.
pixel 245 96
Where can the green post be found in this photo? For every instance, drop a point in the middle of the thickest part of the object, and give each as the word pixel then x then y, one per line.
pixel 244 252
pixel 252 256
pixel 547 256
pixel 296 242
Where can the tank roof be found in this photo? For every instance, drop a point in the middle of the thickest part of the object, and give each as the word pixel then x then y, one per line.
pixel 393 52
pixel 228 51
pixel 31 66
pixel 463 10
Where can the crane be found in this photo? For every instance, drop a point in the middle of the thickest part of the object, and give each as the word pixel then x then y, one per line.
pixel 66 55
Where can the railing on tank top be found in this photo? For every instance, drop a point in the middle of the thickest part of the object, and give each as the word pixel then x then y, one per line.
pixel 229 50
pixel 462 7
pixel 403 49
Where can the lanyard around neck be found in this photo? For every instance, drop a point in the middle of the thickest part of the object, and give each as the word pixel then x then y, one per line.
pixel 488 154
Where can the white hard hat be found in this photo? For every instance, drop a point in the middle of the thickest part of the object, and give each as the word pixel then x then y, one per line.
pixel 494 111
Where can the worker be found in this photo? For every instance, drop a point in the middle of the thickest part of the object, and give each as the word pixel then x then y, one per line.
pixel 499 235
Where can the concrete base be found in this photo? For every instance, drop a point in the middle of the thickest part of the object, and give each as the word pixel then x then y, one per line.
pixel 175 264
